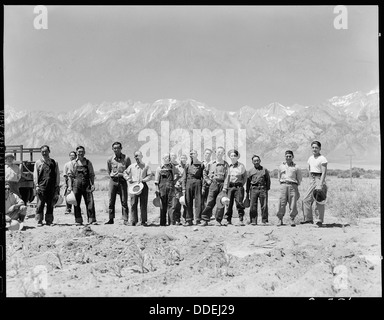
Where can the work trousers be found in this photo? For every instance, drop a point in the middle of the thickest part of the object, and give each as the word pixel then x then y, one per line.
pixel 167 194
pixel 176 207
pixel 289 194
pixel 118 186
pixel 143 197
pixel 44 198
pixel 308 201
pixel 235 195
pixel 81 190
pixel 214 189
pixel 193 193
pixel 258 194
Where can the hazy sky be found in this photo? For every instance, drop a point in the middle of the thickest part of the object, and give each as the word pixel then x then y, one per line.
pixel 225 56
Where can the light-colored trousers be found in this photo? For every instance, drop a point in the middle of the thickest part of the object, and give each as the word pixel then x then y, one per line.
pixel 308 201
pixel 289 193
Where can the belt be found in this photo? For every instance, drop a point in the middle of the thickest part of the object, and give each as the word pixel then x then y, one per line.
pixel 316 174
pixel 217 180
pixel 288 182
pixel 236 184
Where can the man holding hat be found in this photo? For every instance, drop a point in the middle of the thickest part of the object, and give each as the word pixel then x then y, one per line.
pixel 234 187
pixel 165 177
pixel 15 209
pixel 317 165
pixel 258 185
pixel 13 173
pixel 138 173
pixel 289 175
pixel 116 165
pixel 215 174
pixel 72 156
pixel 46 177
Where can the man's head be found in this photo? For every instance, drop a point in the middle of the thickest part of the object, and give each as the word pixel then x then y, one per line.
pixel 316 147
pixel 256 160
pixel 80 152
pixel 289 156
pixel 7 189
pixel 72 155
pixel 138 156
pixel 207 154
pixel 166 158
pixel 193 154
pixel 9 157
pixel 45 151
pixel 116 147
pixel 220 151
pixel 183 158
pixel 173 157
pixel 234 155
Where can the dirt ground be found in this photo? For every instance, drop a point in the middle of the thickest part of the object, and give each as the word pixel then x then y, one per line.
pixel 177 261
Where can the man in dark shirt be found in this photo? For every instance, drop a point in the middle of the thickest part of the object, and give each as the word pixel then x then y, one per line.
pixel 205 189
pixel 258 184
pixel 116 165
pixel 192 184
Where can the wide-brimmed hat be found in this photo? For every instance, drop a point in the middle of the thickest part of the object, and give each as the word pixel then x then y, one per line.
pixel 71 199
pixel 319 196
pixel 222 200
pixel 157 201
pixel 231 151
pixel 9 155
pixel 182 200
pixel 136 188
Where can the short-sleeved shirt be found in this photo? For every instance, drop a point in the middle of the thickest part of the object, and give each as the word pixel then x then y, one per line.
pixel 237 173
pixel 118 164
pixel 315 164
pixel 290 173
pixel 138 172
pixel 12 172
pixel 215 170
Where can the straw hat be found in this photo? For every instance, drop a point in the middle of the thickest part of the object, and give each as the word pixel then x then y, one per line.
pixel 182 200
pixel 70 198
pixel 135 188
pixel 222 200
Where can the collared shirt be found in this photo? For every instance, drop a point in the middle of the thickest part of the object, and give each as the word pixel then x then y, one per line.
pixel 315 164
pixel 216 170
pixel 236 174
pixel 290 173
pixel 12 200
pixel 138 173
pixel 84 162
pixel 168 172
pixel 12 172
pixel 38 165
pixel 66 169
pixel 118 164
pixel 192 171
pixel 180 168
pixel 259 176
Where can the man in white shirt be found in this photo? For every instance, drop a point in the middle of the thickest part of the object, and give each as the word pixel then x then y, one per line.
pixel 15 209
pixel 317 165
pixel 72 156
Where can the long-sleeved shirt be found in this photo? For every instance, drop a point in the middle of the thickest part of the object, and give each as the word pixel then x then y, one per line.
pixel 138 172
pixel 192 171
pixel 181 168
pixel 162 173
pixel 38 166
pixel 12 172
pixel 290 173
pixel 216 170
pixel 12 200
pixel 236 174
pixel 117 165
pixel 258 176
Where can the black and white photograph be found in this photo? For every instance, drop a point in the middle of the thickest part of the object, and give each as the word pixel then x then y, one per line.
pixel 191 151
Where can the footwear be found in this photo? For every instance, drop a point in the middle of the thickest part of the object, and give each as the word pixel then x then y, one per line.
pixel 224 223
pixel 49 224
pixel 144 224
pixel 241 223
pixel 67 212
pixel 198 222
pixel 292 222
pixel 306 222
pixel 178 223
pixel 188 223
pixel 126 223
pixel 280 223
pixel 319 224
pixel 110 221
pixel 39 224
pixel 254 223
pixel 203 223
pixel 265 223
pixel 21 226
pixel 229 221
pixel 217 223
pixel 94 223
pixel 78 223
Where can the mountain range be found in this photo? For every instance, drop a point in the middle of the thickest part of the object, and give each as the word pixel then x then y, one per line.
pixel 348 124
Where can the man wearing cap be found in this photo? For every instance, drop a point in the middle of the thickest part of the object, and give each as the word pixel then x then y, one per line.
pixel 205 189
pixel 72 156
pixel 46 177
pixel 82 182
pixel 289 175
pixel 234 187
pixel 116 165
pixel 258 185
pixel 165 177
pixel 138 172
pixel 15 208
pixel 317 165
pixel 192 185
pixel 176 205
pixel 13 173
pixel 215 174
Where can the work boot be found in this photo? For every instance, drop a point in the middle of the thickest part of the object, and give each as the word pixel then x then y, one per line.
pixel 110 221
pixel 203 223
